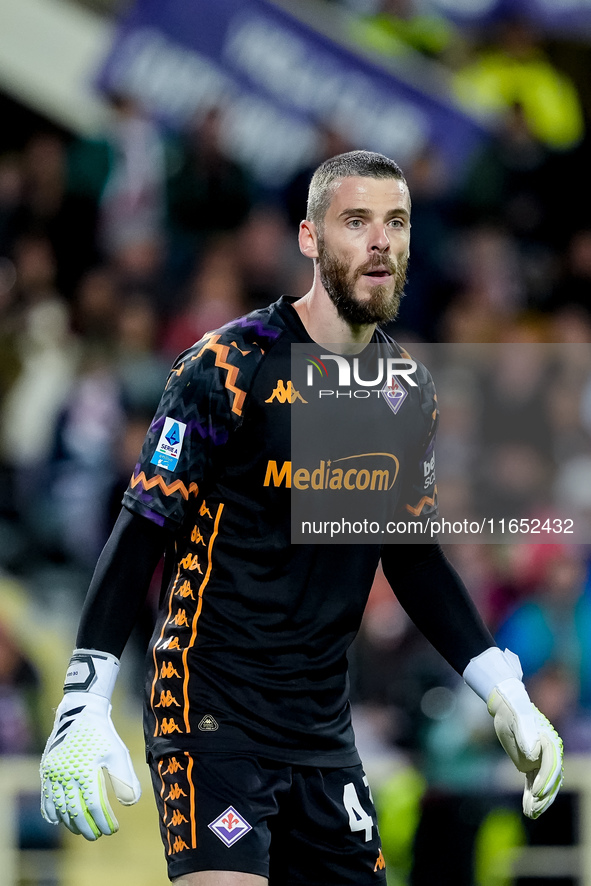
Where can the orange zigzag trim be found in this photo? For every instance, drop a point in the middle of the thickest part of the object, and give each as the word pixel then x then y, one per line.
pixel 181 368
pixel 221 361
pixel 167 488
pixel 424 501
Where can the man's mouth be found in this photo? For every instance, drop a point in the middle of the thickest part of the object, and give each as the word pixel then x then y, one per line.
pixel 379 273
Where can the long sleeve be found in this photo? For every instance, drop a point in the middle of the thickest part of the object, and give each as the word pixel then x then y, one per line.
pixel 120 583
pixel 436 599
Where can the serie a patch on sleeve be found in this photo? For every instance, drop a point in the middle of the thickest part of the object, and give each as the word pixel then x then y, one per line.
pixel 170 445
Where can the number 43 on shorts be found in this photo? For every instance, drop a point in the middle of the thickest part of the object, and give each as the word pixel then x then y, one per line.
pixel 359 820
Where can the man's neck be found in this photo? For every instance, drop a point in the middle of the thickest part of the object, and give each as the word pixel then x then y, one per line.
pixel 325 326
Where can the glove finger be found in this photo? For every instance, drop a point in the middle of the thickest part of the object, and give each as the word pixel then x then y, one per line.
pixel 550 768
pixel 82 823
pixel 127 791
pixel 124 781
pixel 48 810
pixel 96 808
pixel 543 788
pixel 528 802
pixel 75 829
pixel 58 800
pixel 533 807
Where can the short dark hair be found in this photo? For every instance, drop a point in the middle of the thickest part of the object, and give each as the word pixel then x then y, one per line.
pixel 333 170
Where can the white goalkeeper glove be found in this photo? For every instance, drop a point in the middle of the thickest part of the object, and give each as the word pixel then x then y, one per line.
pixel 82 747
pixel 527 736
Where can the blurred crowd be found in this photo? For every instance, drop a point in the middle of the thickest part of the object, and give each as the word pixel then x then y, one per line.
pixel 119 251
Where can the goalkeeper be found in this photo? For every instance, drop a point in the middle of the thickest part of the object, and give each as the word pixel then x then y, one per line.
pixel 246 714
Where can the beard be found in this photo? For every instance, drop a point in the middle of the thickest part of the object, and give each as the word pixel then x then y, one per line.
pixel 339 282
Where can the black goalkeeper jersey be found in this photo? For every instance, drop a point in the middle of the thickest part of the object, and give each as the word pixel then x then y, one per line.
pixel 249 649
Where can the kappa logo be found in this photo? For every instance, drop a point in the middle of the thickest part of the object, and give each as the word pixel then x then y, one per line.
pixel 168 670
pixel 285 393
pixel 178 846
pixel 380 863
pixel 175 792
pixel 168 726
pixel 180 619
pixel 167 699
pixel 191 561
pixel 185 590
pixel 196 536
pixel 230 826
pixel 208 724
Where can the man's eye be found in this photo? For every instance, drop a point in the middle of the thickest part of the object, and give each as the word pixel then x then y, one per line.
pixel 355 223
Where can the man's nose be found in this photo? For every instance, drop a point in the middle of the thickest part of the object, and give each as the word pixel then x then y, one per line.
pixel 379 240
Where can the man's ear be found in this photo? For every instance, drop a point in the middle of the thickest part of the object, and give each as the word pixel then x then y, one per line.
pixel 308 239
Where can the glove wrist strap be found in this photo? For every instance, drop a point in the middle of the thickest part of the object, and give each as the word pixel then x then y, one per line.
pixel 93 671
pixel 489 669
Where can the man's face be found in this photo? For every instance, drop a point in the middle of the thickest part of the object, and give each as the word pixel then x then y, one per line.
pixel 363 248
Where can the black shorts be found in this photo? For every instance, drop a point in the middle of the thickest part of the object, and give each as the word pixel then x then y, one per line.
pixel 291 824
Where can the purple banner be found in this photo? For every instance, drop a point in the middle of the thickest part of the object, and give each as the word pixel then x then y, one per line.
pixel 278 79
pixel 568 16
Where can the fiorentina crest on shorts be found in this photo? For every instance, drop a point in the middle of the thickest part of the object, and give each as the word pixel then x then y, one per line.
pixel 229 826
